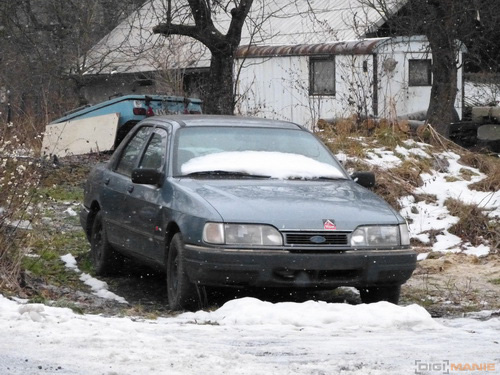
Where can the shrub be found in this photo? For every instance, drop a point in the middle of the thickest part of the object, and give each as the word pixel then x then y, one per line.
pixel 19 176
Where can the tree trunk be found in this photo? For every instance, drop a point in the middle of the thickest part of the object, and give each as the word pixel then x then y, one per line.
pixel 442 112
pixel 441 33
pixel 219 96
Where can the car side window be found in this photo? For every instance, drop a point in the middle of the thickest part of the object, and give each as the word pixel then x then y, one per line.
pixel 129 157
pixel 154 155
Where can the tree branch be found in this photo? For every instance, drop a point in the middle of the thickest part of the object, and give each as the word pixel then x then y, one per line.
pixel 239 14
pixel 204 30
pixel 201 14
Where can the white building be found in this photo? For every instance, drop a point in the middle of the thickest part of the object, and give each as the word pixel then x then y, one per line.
pixel 383 77
pixel 298 60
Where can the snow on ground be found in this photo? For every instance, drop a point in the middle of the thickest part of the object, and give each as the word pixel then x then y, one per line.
pixel 245 336
pixel 99 288
pixel 447 184
pixel 380 156
pixel 443 184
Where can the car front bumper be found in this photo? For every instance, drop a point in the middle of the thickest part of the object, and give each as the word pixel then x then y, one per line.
pixel 301 269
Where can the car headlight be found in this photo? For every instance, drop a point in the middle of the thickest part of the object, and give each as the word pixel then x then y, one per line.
pixel 241 234
pixel 381 236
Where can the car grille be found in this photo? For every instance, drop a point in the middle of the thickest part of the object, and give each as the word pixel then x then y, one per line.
pixel 316 238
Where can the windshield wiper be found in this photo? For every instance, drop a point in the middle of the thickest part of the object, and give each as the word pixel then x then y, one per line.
pixel 323 178
pixel 318 178
pixel 219 173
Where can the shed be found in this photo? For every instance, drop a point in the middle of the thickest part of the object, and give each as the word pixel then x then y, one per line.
pixel 379 77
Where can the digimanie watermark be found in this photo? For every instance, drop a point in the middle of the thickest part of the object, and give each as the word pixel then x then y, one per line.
pixel 446 367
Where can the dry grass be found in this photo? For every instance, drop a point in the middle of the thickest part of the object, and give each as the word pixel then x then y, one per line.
pixel 339 137
pixel 474 225
pixel 395 183
pixel 344 134
pixel 489 165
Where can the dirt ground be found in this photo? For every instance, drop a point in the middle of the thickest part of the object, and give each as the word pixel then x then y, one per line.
pixel 453 284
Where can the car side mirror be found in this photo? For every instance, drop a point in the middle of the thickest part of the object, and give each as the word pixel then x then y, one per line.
pixel 365 179
pixel 147 176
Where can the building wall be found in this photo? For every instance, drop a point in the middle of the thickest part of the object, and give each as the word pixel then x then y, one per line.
pixel 397 98
pixel 278 87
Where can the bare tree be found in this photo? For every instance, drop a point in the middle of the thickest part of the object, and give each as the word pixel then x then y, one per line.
pixel 42 46
pixel 222 46
pixel 448 25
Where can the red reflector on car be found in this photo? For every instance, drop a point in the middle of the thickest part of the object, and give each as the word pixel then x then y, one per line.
pixel 150 112
pixel 140 111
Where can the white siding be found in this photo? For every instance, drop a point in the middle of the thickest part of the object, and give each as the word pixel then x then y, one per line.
pixel 396 97
pixel 278 87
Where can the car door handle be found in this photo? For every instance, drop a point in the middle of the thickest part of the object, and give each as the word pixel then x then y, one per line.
pixel 130 188
pixel 106 181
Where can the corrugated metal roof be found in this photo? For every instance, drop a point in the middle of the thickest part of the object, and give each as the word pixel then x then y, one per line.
pixel 132 46
pixel 357 47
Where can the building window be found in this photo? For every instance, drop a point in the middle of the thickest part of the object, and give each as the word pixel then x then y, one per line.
pixel 420 72
pixel 322 76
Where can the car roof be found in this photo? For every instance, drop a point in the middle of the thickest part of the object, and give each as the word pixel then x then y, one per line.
pixel 226 120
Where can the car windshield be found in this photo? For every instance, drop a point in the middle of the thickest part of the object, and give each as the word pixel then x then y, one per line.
pixel 253 151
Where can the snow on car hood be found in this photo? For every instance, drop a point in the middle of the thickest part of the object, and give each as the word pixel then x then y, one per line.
pixel 273 164
pixel 291 204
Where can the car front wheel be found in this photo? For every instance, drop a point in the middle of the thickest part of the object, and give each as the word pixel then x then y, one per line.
pixel 377 294
pixel 181 292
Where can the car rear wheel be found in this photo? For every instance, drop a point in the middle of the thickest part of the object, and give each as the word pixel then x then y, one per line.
pixel 105 259
pixel 377 294
pixel 182 294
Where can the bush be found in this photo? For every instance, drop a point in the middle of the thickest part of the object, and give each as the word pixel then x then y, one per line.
pixel 19 176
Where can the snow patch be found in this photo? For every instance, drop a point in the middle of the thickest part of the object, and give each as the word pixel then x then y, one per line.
pixel 371 317
pixel 382 158
pixel 479 251
pixel 20 224
pixel 434 216
pixel 422 256
pixel 99 288
pixel 34 312
pixel 71 212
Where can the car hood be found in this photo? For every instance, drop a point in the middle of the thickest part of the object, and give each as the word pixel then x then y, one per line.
pixel 292 204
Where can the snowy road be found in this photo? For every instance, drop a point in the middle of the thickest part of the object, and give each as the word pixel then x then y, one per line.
pixel 244 336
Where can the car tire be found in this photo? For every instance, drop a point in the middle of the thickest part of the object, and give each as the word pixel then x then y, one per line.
pixel 105 259
pixel 182 294
pixel 376 294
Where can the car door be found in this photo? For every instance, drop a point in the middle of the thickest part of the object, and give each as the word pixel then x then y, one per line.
pixel 116 188
pixel 142 202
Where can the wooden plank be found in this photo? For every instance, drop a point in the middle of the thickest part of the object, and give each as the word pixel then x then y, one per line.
pixel 77 137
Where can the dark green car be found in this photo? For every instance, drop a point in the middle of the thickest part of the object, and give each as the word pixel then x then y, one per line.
pixel 242 202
